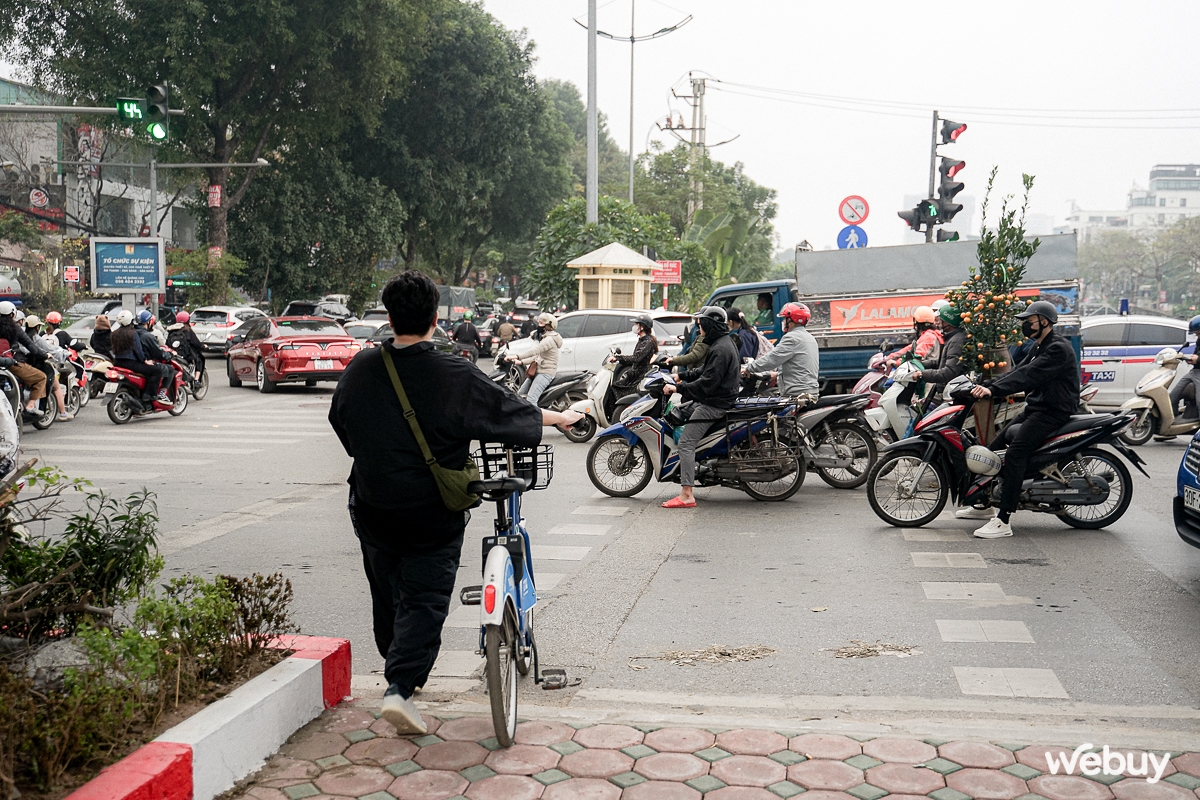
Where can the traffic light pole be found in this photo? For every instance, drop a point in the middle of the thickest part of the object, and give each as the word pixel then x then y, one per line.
pixel 932 170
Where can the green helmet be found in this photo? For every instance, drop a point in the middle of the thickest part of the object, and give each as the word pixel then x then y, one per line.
pixel 950 315
pixel 468 315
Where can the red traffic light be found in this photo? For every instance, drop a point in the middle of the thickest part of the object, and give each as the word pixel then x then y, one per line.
pixel 950 167
pixel 952 130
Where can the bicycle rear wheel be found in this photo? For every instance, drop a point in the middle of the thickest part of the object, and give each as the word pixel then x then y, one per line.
pixel 500 648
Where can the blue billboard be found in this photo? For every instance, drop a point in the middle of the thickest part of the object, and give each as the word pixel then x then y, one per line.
pixel 128 265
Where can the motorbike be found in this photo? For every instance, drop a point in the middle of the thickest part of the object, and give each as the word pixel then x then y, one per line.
pixel 872 383
pixel 601 407
pixel 749 449
pixel 97 367
pixel 1152 403
pixel 17 395
pixel 1069 476
pixel 467 351
pixel 128 397
pixel 80 378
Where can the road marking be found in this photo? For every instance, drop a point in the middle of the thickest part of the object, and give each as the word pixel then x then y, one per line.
pixel 555 553
pixel 457 664
pixel 206 451
pixel 935 536
pixel 936 590
pixel 567 529
pixel 953 560
pixel 154 462
pixel 230 521
pixel 602 511
pixel 1009 682
pixel 463 617
pixel 227 438
pixel 984 630
pixel 105 477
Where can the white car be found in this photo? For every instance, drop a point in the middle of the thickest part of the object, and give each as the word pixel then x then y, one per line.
pixel 1119 350
pixel 213 324
pixel 588 335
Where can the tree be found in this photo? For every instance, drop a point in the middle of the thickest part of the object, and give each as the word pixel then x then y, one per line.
pixel 1121 263
pixel 249 75
pixel 612 161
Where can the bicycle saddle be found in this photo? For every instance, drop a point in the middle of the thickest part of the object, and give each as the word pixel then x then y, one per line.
pixel 498 488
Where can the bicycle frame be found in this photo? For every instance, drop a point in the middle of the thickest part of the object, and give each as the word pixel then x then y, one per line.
pixel 508 582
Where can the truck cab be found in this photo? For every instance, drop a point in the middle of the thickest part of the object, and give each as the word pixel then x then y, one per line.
pixel 760 302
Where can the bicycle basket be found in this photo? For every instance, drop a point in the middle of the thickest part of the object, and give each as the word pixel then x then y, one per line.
pixel 534 464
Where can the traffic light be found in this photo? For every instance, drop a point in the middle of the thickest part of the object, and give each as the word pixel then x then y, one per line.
pixel 131 109
pixel 952 130
pixel 157 112
pixel 947 236
pixel 924 213
pixel 948 188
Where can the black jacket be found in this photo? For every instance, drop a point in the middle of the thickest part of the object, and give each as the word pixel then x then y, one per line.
pixel 949 365
pixel 16 336
pixel 150 348
pixel 467 333
pixel 101 342
pixel 637 362
pixel 717 382
pixel 1049 377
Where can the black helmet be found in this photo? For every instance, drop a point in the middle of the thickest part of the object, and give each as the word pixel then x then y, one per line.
pixel 1194 325
pixel 645 321
pixel 1041 308
pixel 714 313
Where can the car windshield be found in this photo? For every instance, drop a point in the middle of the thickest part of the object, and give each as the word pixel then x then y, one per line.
pixel 376 313
pixel 671 327
pixel 305 327
pixel 298 309
pixel 383 332
pixel 209 317
pixel 360 331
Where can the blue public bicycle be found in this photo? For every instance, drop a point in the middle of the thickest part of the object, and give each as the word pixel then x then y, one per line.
pixel 508 594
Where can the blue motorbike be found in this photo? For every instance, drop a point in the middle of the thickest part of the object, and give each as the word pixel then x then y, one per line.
pixel 755 447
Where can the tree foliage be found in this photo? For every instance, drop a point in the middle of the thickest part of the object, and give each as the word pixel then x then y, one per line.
pixel 612 161
pixel 1140 264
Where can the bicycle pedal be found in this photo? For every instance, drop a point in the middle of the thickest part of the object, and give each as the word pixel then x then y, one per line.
pixel 553 678
pixel 471 595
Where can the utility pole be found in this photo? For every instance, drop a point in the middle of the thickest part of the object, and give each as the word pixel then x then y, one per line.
pixel 698 149
pixel 632 42
pixel 593 141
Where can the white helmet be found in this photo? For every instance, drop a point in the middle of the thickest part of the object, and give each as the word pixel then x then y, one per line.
pixel 125 317
pixel 938 305
pixel 983 461
pixel 7 309
pixel 19 316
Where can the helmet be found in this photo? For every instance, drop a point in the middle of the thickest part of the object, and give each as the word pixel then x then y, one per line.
pixel 125 318
pixel 924 315
pixel 182 317
pixel 950 315
pixel 54 318
pixel 20 315
pixel 7 309
pixel 1193 326
pixel 713 313
pixel 645 321
pixel 32 321
pixel 982 461
pixel 1040 308
pixel 796 312
pixel 468 315
pixel 548 320
pixel 939 304
pixel 144 317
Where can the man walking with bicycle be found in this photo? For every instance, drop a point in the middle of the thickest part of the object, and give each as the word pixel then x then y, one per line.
pixel 407 415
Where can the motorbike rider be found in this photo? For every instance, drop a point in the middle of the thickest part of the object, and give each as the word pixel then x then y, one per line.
pixel 1186 387
pixel 545 357
pixel 638 362
pixel 151 348
pixel 128 353
pixel 101 341
pixel 949 364
pixel 54 327
pixel 506 331
pixel 184 341
pixel 743 335
pixel 467 335
pixel 928 343
pixel 56 357
pixel 1049 376
pixel 23 352
pixel 796 358
pixel 695 354
pixel 714 389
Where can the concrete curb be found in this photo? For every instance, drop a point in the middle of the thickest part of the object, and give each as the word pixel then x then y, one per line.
pixel 211 751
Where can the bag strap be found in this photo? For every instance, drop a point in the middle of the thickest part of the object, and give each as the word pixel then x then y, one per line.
pixel 409 414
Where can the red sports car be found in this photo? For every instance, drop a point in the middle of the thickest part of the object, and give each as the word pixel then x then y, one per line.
pixel 283 349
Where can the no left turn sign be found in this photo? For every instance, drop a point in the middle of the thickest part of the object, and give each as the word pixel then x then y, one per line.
pixel 853 210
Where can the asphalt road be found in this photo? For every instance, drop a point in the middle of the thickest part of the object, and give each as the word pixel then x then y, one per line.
pixel 1051 628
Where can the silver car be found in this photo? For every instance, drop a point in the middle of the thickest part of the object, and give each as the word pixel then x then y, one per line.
pixel 213 324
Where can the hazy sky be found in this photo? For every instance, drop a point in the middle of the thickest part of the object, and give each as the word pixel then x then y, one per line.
pixel 1020 56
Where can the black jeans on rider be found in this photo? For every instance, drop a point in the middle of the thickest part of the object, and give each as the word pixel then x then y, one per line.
pixel 1022 437
pixel 153 374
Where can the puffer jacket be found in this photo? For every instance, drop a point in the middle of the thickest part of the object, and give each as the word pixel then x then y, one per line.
pixel 546 354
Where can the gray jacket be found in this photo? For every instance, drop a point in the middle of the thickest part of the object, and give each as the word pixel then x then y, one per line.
pixel 797 361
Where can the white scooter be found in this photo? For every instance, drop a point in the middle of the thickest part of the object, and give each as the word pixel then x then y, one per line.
pixel 601 409
pixel 890 421
pixel 1152 402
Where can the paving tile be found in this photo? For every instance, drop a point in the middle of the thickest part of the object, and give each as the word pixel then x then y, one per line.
pixel 984 630
pixel 825 794
pixel 748 771
pixel 609 737
pixel 751 742
pixel 711 754
pixel 311 746
pixel 1188 762
pixel 566 748
pixel 582 789
pixel 1031 796
pixel 381 727
pixel 936 742
pixel 285 771
pixel 359 736
pixel 380 751
pixel 1011 746
pixel 491 744
pixel 377 796
pixel 1105 778
pixel 987 784
pixel 671 767
pixel 263 793
pixel 863 761
pixel 551 776
pixel 596 763
pixel 329 762
pixel 451 755
pixel 648 728
pixel 429 784
pixel 823 774
pixel 431 723
pixel 627 779
pixel 467 729
pixel 1184 780
pixel 787 757
pixel 354 780
pixel 949 560
pixel 638 751
pixel 949 794
pixel 1140 790
pixel 477 773
pixel 1035 756
pixel 1009 682
pixel 679 740
pixel 523 759
pixel 403 768
pixel 942 766
pixel 543 733
pixel 923 535
pixel 977 754
pixel 348 718
pixel 1021 771
pixel 426 740
pixel 705 784
pixel 904 779
pixel 1069 787
pixel 865 791
pixel 825 745
pixel 505 787
pixel 660 790
pixel 956 590
pixel 740 793
pixel 1170 770
pixel 894 750
pixel 785 789
pixel 301 791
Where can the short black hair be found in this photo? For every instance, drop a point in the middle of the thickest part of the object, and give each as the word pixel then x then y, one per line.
pixel 411 300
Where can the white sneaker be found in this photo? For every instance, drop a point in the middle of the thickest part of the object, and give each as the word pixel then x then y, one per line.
pixel 401 713
pixel 995 529
pixel 970 512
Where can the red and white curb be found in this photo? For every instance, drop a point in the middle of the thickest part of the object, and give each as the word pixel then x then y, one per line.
pixel 211 751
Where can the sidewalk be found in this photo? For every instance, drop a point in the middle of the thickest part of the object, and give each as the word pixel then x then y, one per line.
pixel 350 753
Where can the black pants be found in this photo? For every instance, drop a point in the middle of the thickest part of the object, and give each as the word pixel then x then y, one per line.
pixel 154 374
pixel 1022 437
pixel 410 598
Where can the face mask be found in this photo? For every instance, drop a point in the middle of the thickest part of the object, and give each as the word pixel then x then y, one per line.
pixel 1028 329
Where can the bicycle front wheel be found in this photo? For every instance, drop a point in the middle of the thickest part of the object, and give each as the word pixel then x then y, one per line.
pixel 500 648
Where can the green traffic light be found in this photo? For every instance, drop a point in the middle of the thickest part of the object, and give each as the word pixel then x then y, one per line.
pixel 157 131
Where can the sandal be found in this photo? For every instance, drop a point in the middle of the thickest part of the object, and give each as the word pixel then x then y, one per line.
pixel 677 502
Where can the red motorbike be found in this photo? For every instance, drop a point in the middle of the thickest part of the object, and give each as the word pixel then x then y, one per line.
pixel 128 397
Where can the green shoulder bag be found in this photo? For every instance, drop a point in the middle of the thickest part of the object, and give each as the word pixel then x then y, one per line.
pixel 451 483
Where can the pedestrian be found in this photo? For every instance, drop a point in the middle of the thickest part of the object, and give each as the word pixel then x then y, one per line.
pixel 1049 376
pixel 403 411
pixel 543 362
pixel 713 388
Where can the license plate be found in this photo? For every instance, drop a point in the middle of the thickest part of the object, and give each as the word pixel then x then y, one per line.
pixel 1191 498
pixel 323 363
pixel 110 388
